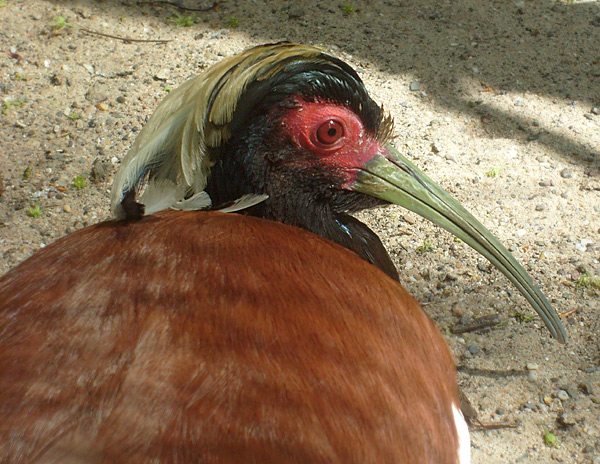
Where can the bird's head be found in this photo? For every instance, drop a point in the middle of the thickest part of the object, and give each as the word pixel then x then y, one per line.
pixel 302 137
pixel 292 123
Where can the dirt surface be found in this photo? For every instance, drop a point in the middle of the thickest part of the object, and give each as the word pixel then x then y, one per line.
pixel 497 101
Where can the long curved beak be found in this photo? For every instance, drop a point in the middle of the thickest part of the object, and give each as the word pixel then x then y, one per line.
pixel 391 177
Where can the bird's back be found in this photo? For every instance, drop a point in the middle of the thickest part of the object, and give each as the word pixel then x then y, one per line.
pixel 215 338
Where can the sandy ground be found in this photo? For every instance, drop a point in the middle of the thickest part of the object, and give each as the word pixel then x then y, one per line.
pixel 497 101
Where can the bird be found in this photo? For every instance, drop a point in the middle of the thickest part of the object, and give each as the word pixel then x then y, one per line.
pixel 234 310
pixel 211 337
pixel 289 133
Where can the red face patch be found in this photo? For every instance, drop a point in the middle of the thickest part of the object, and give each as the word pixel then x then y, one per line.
pixel 334 134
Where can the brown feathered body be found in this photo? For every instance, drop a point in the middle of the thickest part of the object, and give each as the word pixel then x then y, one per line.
pixel 215 338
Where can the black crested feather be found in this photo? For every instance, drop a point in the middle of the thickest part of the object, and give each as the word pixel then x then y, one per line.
pixel 325 78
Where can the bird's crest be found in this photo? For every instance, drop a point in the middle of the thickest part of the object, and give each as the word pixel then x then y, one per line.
pixel 172 149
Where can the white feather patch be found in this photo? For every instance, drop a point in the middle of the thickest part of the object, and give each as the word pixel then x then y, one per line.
pixel 244 202
pixel 199 201
pixel 464 439
pixel 160 195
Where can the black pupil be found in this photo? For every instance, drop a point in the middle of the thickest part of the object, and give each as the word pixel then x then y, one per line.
pixel 332 131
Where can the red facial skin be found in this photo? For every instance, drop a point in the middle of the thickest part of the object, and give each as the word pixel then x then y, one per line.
pixel 335 134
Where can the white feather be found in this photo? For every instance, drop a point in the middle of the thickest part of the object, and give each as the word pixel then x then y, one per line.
pixel 244 202
pixel 464 439
pixel 199 201
pixel 160 195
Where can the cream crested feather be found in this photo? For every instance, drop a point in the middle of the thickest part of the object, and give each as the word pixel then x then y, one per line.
pixel 169 160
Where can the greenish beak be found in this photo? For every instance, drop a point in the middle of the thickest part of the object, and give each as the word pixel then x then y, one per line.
pixel 391 177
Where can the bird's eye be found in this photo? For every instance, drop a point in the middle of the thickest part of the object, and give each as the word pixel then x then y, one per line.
pixel 330 132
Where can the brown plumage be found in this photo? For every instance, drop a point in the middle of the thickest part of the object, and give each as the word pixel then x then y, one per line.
pixel 198 338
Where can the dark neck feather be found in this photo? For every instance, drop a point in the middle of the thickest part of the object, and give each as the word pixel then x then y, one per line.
pixel 357 237
pixel 340 228
pixel 257 161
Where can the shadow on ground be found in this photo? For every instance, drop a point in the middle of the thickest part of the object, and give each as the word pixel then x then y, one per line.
pixel 441 44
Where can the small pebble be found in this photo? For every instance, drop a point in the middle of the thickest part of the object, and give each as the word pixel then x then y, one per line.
pixel 100 170
pixel 519 103
pixel 589 116
pixel 500 411
pixel 415 86
pixel 546 183
pixel 562 395
pixel 587 388
pixel 525 457
pixel 531 366
pixel 483 267
pixel 97 93
pixel 296 12
pixel 66 208
pixel 473 349
pixel 120 99
pixel 162 75
pixel 410 219
pixel 450 277
pixel 532 376
pixel 565 419
pixel 566 173
pixel 540 207
pixel 528 405
pixel 102 106
pixel 596 110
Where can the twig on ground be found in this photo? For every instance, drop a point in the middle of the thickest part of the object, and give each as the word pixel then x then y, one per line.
pixel 214 6
pixel 124 39
pixel 478 425
pixel 491 373
pixel 484 322
pixel 59 22
pixel 568 313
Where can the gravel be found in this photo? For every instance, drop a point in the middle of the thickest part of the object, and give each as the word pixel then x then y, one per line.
pixel 566 173
pixel 541 54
